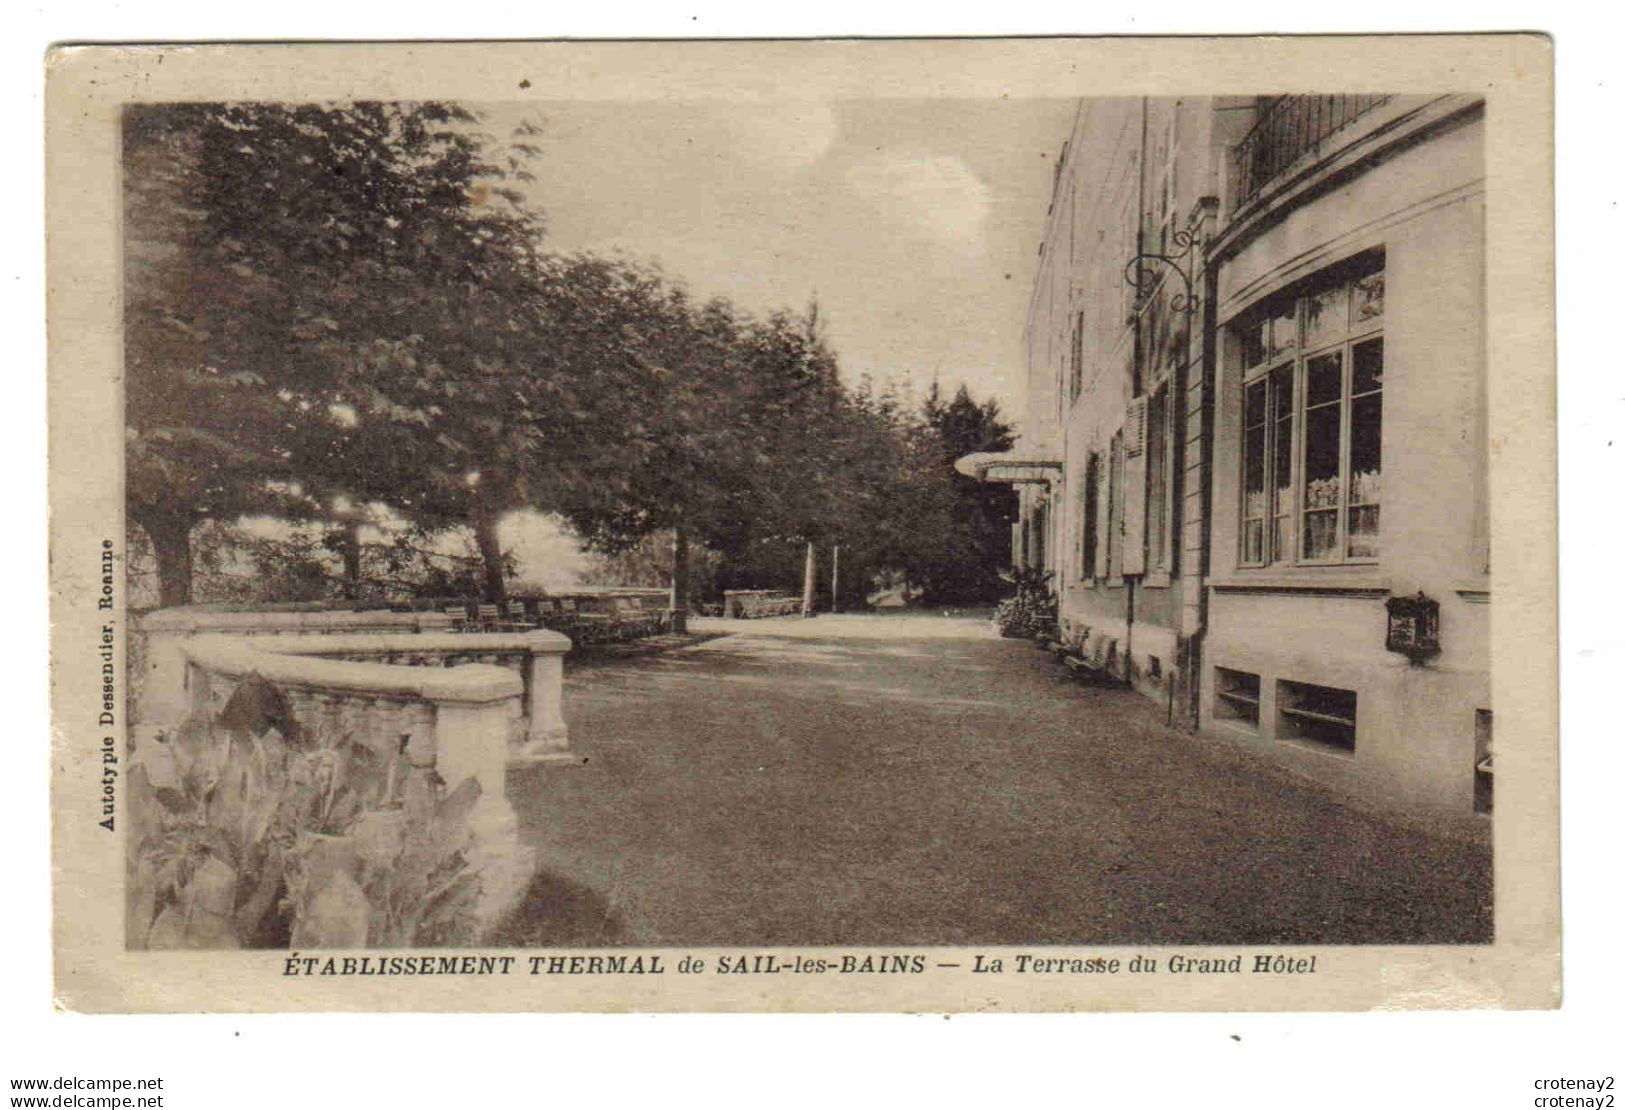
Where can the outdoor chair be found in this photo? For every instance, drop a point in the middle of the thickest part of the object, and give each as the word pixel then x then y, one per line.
pixel 633 621
pixel 515 618
pixel 1095 665
pixel 594 628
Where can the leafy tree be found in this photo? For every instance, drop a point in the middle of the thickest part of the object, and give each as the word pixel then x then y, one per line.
pixel 652 369
pixel 796 433
pixel 202 433
pixel 334 308
pixel 975 545
pixel 901 501
pixel 308 287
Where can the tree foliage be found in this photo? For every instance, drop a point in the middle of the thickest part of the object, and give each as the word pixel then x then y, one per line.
pixel 314 292
pixel 975 541
pixel 337 313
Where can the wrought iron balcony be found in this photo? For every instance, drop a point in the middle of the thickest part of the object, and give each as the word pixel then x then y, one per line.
pixel 1287 128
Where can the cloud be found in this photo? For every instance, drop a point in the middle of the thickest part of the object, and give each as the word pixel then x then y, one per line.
pixel 936 197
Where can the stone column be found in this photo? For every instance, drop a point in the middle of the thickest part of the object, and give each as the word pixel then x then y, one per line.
pixel 197 691
pixel 163 701
pixel 471 741
pixel 547 737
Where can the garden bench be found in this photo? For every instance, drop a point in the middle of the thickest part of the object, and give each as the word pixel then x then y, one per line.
pixel 751 604
pixel 503 617
pixel 1094 664
pixel 634 620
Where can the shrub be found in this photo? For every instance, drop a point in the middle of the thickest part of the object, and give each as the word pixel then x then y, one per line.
pixel 1032 609
pixel 248 830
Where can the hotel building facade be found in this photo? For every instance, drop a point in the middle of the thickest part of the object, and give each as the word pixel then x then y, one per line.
pixel 1254 449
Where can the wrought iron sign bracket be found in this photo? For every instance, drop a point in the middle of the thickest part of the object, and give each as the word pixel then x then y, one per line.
pixel 1142 283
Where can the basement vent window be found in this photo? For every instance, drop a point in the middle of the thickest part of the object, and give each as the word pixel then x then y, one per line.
pixel 1237 696
pixel 1320 715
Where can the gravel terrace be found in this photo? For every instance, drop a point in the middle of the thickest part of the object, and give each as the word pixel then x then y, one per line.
pixel 915 780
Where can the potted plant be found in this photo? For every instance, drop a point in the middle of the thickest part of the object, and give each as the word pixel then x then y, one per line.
pixel 1032 609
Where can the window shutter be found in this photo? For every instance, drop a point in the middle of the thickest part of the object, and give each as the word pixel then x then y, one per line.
pixel 1104 522
pixel 1134 487
pixel 1134 428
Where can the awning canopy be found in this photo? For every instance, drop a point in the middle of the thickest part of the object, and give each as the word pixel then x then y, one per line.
pixel 1015 467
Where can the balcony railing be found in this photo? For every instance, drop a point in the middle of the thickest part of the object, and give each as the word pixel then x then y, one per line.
pixel 1287 128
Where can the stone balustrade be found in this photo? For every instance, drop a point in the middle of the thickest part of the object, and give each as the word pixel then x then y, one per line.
pixel 158 668
pixel 537 732
pixel 388 642
pixel 457 720
pixel 467 705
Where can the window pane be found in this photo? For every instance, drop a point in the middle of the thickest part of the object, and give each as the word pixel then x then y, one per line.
pixel 1325 316
pixel 1284 330
pixel 1256 412
pixel 1321 451
pixel 1368 293
pixel 1363 532
pixel 1325 383
pixel 1255 421
pixel 1281 383
pixel 1320 534
pixel 1367 367
pixel 1365 475
pixel 1365 452
pixel 1253 469
pixel 1281 509
pixel 1253 337
pixel 1281 539
pixel 1252 542
pixel 1255 431
pixel 1322 458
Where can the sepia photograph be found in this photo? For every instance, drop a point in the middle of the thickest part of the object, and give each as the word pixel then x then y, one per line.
pixel 814 536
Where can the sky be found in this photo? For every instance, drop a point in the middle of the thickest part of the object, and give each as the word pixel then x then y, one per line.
pixel 914 223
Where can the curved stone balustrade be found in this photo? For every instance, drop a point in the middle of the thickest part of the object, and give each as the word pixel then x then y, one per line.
pixel 390 656
pixel 536 721
pixel 455 720
pixel 467 705
pixel 158 669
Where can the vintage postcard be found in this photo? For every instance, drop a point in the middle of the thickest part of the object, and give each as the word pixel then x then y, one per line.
pixel 963 525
